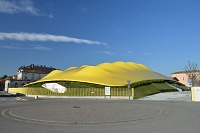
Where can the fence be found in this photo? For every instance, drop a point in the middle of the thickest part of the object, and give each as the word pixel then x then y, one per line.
pixel 119 92
pixel 79 92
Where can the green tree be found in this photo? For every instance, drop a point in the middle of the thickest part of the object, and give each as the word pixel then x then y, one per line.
pixel 4 76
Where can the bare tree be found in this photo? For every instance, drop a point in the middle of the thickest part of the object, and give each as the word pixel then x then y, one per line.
pixel 193 72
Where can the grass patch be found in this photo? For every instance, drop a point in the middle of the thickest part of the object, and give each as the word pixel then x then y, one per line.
pixel 152 88
pixel 179 85
pixel 141 89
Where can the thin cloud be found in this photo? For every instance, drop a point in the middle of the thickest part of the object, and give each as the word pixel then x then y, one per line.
pixel 146 54
pixel 82 9
pixel 105 52
pixel 51 16
pixel 10 47
pixel 39 47
pixel 108 53
pixel 21 6
pixel 17 47
pixel 128 53
pixel 44 38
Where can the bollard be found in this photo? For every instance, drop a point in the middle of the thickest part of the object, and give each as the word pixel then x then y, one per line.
pixel 133 93
pixel 36 97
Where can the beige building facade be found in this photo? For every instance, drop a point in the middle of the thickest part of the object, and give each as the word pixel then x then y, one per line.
pixel 182 77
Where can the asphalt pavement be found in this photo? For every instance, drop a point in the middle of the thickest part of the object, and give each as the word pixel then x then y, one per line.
pixel 174 113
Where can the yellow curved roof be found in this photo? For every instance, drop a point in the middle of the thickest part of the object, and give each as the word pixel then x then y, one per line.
pixel 109 74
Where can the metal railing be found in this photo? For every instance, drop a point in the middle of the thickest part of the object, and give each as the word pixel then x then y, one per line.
pixel 79 92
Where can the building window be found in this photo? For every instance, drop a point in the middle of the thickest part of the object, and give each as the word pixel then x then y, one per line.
pixel 16 85
pixel 39 77
pixel 32 78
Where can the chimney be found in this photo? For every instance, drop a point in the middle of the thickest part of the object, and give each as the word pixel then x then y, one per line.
pixel 32 66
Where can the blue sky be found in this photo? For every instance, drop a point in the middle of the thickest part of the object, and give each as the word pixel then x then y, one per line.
pixel 161 34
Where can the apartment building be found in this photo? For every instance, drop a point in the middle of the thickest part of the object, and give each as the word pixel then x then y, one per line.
pixel 27 74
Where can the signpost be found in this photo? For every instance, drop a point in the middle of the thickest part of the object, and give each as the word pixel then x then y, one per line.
pixel 107 91
pixel 129 81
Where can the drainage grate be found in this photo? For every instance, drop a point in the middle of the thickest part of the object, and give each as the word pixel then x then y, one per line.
pixel 76 107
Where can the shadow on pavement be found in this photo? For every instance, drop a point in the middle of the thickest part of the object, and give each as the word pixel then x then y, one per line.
pixel 5 94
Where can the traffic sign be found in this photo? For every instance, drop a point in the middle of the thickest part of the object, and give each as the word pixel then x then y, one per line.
pixel 129 81
pixel 190 82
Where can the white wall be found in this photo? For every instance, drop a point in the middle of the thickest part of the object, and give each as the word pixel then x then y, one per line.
pixel 14 83
pixel 195 93
pixel 29 76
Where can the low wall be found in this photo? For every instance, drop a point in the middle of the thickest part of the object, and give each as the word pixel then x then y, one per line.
pixel 17 90
pixel 195 93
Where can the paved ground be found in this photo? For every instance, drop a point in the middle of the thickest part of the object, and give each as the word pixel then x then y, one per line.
pixel 172 96
pixel 82 112
pixel 91 115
